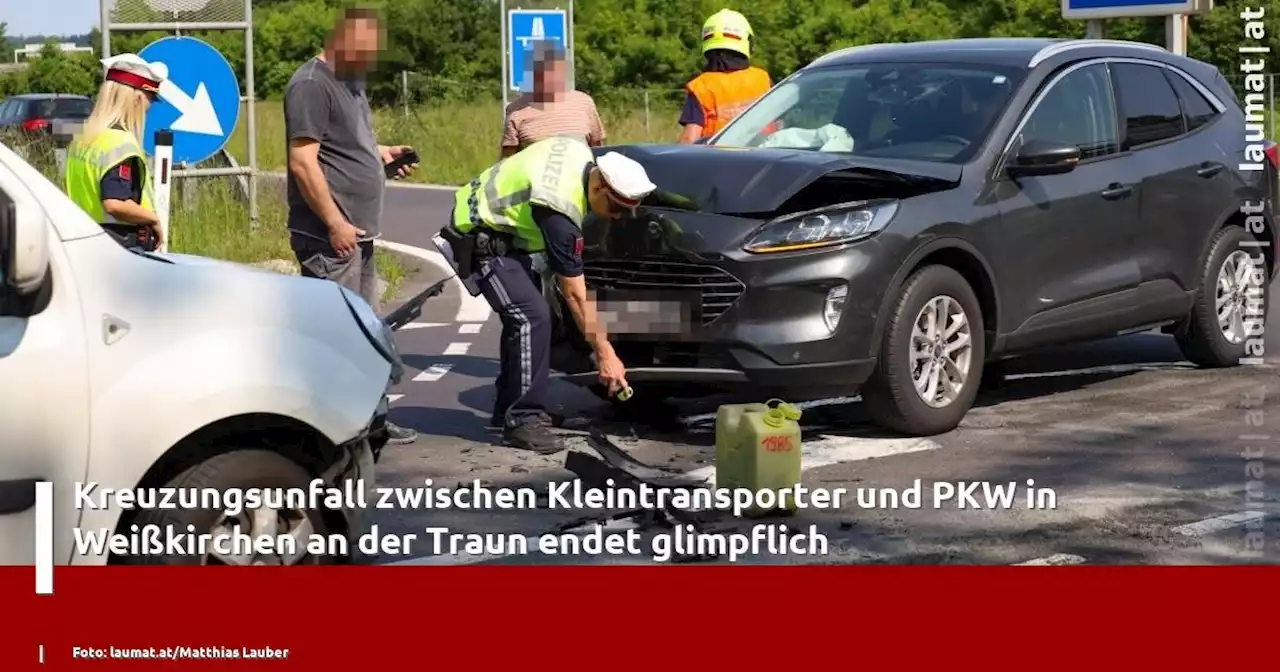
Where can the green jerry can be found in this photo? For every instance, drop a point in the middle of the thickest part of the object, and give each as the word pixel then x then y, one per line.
pixel 758 448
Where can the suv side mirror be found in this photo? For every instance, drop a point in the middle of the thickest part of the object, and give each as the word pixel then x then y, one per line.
pixel 1044 157
pixel 24 246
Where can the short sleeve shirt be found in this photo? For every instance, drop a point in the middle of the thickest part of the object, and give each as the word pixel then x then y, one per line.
pixel 528 121
pixel 320 106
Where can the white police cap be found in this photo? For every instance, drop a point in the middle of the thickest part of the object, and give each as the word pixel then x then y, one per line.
pixel 626 178
pixel 131 70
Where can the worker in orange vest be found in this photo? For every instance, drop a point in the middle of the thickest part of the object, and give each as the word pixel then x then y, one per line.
pixel 728 83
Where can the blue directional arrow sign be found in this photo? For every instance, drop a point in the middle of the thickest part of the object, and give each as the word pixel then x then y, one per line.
pixel 1112 9
pixel 525 29
pixel 200 102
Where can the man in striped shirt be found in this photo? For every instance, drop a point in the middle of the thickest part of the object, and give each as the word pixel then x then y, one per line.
pixel 551 109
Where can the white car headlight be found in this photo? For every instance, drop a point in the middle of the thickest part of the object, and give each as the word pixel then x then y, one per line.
pixel 375 329
pixel 823 228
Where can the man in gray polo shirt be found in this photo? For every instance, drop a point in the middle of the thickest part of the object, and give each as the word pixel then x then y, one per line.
pixel 337 175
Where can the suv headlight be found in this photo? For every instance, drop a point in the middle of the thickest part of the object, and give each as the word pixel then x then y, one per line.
pixel 375 330
pixel 823 228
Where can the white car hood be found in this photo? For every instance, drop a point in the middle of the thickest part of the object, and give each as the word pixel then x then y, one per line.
pixel 194 260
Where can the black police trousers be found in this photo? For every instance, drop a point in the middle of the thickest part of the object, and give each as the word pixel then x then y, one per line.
pixel 512 289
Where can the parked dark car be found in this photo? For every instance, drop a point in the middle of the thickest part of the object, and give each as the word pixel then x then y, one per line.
pixel 56 114
pixel 926 209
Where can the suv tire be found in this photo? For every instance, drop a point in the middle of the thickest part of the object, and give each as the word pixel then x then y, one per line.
pixel 890 395
pixel 238 469
pixel 1203 337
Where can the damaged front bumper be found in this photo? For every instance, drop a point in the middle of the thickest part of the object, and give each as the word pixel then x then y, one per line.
pixel 355 471
pixel 757 320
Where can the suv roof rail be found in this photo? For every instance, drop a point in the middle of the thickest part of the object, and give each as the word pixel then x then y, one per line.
pixel 1067 45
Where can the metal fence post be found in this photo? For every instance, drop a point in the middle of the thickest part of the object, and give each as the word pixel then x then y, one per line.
pixel 647 134
pixel 405 91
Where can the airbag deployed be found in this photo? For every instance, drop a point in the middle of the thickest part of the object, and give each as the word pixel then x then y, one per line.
pixel 829 138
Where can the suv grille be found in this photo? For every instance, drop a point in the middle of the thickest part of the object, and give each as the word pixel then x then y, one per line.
pixel 718 289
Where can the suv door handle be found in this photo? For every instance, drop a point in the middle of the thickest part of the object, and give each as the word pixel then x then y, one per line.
pixel 1116 191
pixel 1208 169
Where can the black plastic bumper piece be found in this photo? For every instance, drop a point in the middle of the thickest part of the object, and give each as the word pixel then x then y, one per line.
pixel 17 495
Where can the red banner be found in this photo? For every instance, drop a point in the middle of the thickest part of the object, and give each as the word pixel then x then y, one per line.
pixel 369 619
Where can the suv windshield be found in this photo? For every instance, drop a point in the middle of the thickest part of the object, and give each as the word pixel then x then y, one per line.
pixel 921 111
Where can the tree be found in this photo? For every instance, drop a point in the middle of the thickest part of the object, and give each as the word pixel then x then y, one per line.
pixel 56 71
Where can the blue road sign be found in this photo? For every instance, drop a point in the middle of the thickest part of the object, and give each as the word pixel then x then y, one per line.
pixel 1113 9
pixel 200 102
pixel 525 29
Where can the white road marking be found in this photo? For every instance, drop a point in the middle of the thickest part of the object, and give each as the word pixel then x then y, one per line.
pixel 818 453
pixel 1219 523
pixel 473 308
pixel 424 325
pixel 393 398
pixel 432 373
pixel 1057 559
pixel 473 328
pixel 457 348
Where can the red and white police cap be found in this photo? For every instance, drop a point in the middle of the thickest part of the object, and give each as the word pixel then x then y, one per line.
pixel 131 70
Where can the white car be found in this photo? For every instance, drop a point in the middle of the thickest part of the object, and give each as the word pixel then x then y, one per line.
pixel 141 371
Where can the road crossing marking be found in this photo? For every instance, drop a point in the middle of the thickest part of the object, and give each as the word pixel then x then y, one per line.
pixel 432 373
pixel 472 308
pixel 424 325
pixel 471 328
pixel 393 398
pixel 457 349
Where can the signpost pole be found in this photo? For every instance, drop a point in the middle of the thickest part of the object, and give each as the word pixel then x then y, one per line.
pixel 1095 29
pixel 104 20
pixel 1175 33
pixel 252 125
pixel 569 49
pixel 162 184
pixel 506 56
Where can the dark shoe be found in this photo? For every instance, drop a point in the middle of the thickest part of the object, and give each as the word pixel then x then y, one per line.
pixel 533 436
pixel 399 436
pixel 552 419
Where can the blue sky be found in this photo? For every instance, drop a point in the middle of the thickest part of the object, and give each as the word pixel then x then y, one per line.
pixel 49 17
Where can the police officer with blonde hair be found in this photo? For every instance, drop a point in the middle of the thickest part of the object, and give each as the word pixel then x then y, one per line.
pixel 106 165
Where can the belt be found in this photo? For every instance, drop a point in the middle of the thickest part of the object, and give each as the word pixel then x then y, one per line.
pixel 132 236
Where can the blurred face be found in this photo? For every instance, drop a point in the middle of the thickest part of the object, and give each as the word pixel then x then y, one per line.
pixel 358 45
pixel 551 76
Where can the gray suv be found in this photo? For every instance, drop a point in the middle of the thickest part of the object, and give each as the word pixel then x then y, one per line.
pixel 892 218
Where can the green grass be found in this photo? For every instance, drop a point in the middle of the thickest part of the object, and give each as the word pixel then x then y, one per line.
pixel 456 140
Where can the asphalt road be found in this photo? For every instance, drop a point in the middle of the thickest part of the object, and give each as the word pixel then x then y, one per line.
pixel 1148 459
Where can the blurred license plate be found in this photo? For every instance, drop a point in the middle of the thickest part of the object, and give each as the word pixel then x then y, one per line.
pixel 634 314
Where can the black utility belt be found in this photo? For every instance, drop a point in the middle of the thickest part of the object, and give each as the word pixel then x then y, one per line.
pixel 477 245
pixel 133 236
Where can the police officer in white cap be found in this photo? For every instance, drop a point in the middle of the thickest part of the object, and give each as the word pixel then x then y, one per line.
pixel 106 166
pixel 534 203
